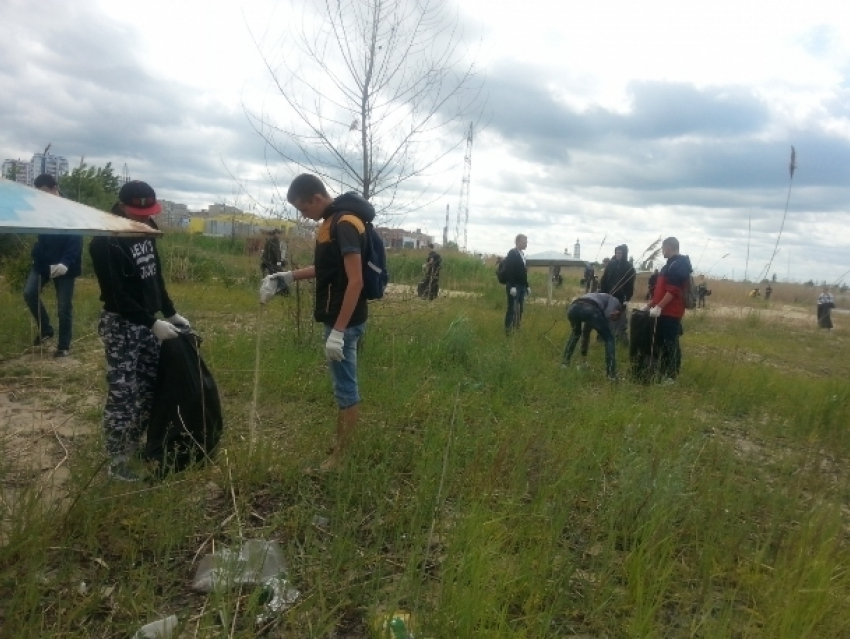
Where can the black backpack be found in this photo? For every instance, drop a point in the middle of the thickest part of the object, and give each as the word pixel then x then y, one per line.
pixel 186 422
pixel 502 271
pixel 374 260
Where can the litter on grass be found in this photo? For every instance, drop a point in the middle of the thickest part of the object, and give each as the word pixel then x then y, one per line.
pixel 258 563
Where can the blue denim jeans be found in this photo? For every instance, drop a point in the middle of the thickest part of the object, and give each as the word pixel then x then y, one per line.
pixel 584 317
pixel 513 316
pixel 344 373
pixel 64 294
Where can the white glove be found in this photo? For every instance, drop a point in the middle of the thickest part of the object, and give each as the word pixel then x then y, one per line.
pixel 655 311
pixel 164 330
pixel 513 291
pixel 644 308
pixel 333 347
pixel 57 270
pixel 287 277
pixel 178 320
pixel 528 291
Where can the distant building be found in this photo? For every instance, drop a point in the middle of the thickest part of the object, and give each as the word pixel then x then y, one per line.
pixel 222 209
pixel 242 225
pixel 174 213
pixel 577 250
pixel 401 239
pixel 22 170
pixel 54 165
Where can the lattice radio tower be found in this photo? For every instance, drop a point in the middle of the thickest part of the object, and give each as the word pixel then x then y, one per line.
pixel 463 209
pixel 125 174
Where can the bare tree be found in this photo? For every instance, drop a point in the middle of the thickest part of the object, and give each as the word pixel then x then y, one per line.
pixel 377 93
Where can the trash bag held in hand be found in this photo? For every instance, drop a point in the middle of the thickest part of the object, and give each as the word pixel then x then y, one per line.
pixel 186 421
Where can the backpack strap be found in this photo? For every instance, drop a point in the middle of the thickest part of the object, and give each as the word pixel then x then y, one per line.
pixel 352 219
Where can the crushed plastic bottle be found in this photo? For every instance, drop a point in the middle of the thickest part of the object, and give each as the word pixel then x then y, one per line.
pixel 160 629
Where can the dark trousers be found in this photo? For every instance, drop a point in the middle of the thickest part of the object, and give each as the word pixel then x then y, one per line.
pixel 667 331
pixel 132 357
pixel 586 317
pixel 64 294
pixel 513 316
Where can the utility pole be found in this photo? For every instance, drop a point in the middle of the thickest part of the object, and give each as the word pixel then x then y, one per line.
pixel 446 229
pixel 463 209
pixel 44 157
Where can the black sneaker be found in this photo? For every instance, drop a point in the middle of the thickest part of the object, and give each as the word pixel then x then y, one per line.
pixel 41 339
pixel 62 353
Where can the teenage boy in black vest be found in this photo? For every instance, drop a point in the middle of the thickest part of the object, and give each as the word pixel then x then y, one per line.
pixel 340 301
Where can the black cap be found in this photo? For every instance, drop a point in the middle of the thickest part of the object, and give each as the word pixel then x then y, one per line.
pixel 139 198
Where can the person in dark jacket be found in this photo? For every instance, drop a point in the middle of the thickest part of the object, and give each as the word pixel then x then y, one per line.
pixel 651 284
pixel 340 301
pixel 56 258
pixel 133 291
pixel 588 277
pixel 429 287
pixel 593 311
pixel 271 260
pixel 826 302
pixel 619 280
pixel 667 307
pixel 516 283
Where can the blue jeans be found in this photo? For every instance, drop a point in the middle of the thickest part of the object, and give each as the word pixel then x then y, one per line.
pixel 584 317
pixel 64 293
pixel 344 373
pixel 513 316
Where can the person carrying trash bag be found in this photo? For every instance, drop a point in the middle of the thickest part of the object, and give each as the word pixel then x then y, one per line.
pixel 593 311
pixel 133 291
pixel 667 308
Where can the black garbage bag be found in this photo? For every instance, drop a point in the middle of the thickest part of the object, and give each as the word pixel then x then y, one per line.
pixel 186 421
pixel 643 352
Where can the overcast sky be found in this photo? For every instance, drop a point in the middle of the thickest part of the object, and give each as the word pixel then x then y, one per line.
pixel 616 119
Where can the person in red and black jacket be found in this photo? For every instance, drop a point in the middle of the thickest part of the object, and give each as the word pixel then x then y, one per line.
pixel 668 308
pixel 516 283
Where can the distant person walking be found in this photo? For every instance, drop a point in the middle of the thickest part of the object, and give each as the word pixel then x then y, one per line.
pixel 667 307
pixel 826 302
pixel 702 292
pixel 593 311
pixel 429 287
pixel 132 289
pixel 56 258
pixel 516 286
pixel 767 293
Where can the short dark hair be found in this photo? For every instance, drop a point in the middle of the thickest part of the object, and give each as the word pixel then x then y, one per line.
pixel 45 179
pixel 672 242
pixel 304 187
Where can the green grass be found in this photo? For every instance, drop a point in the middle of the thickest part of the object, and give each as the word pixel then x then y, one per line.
pixel 488 491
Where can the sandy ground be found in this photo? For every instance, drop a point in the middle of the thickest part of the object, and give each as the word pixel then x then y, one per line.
pixel 39 428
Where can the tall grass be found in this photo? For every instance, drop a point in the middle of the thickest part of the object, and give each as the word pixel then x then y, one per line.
pixel 488 491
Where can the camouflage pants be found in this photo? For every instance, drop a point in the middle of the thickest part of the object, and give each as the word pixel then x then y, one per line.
pixel 132 355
